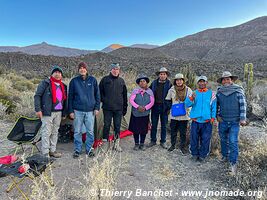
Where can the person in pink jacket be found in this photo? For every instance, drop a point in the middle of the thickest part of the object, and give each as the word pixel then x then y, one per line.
pixel 141 99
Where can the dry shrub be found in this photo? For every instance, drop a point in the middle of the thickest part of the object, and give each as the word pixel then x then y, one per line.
pixel 253 166
pixel 43 187
pixel 100 173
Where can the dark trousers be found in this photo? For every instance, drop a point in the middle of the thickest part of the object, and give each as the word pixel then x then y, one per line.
pixel 139 138
pixel 158 112
pixel 200 139
pixel 108 116
pixel 181 126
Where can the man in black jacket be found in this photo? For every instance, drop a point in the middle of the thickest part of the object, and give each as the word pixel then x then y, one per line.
pixel 50 102
pixel 113 94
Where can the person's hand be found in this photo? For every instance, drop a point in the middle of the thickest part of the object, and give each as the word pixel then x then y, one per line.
pixel 243 123
pixel 212 120
pixel 96 112
pixel 193 96
pixel 219 119
pixel 72 116
pixel 141 109
pixel 39 114
pixel 124 112
pixel 63 118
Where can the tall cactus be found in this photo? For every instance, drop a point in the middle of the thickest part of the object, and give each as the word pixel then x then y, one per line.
pixel 189 74
pixel 248 77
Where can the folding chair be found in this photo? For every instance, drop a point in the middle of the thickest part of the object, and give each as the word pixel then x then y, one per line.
pixel 38 164
pixel 25 131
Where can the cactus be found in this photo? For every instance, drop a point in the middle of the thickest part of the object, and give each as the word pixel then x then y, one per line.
pixel 248 77
pixel 189 74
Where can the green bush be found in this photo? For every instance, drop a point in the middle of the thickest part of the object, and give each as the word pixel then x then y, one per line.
pixel 23 85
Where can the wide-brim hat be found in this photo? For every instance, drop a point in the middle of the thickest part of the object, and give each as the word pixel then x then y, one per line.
pixel 140 77
pixel 227 74
pixel 163 69
pixel 180 76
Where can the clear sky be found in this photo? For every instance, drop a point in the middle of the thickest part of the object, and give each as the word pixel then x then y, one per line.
pixel 95 24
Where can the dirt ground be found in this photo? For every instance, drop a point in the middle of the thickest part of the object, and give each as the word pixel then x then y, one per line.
pixel 154 169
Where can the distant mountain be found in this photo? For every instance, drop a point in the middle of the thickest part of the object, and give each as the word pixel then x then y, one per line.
pixel 245 42
pixel 133 53
pixel 144 46
pixel 111 47
pixel 46 49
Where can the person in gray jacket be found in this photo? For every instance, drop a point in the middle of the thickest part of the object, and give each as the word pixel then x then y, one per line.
pixel 50 102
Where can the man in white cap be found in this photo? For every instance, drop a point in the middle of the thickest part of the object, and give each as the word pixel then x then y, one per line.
pixel 160 88
pixel 203 113
pixel 231 114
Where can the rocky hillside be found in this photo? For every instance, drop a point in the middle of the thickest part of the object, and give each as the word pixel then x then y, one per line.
pixel 40 65
pixel 245 42
pixel 45 49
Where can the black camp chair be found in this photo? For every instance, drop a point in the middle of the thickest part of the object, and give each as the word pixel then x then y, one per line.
pixel 25 131
pixel 38 164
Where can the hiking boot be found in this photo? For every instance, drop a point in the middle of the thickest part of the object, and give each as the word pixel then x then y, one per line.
pixel 46 155
pixel 116 146
pixel 183 151
pixel 151 144
pixel 142 147
pixel 105 145
pixel 136 147
pixel 76 154
pixel 90 153
pixel 172 147
pixel 233 169
pixel 194 158
pixel 224 160
pixel 202 160
pixel 55 154
pixel 164 145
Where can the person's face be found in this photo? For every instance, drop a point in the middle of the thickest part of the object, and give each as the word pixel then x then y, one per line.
pixel 82 71
pixel 179 82
pixel 162 76
pixel 143 84
pixel 227 81
pixel 57 75
pixel 202 84
pixel 115 71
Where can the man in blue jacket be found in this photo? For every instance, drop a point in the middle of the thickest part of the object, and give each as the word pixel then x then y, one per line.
pixel 84 104
pixel 203 113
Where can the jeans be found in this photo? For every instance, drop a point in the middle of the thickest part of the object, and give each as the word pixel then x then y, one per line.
pixel 108 115
pixel 181 126
pixel 87 119
pixel 200 139
pixel 228 132
pixel 158 112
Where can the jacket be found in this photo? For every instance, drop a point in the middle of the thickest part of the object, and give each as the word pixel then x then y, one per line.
pixel 166 103
pixel 43 98
pixel 113 93
pixel 203 106
pixel 83 94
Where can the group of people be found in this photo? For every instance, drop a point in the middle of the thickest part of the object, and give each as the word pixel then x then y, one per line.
pixel 162 98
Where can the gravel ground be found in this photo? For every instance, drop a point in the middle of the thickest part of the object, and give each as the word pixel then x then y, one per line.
pixel 154 169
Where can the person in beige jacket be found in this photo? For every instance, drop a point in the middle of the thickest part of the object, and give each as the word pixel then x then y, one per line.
pixel 177 93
